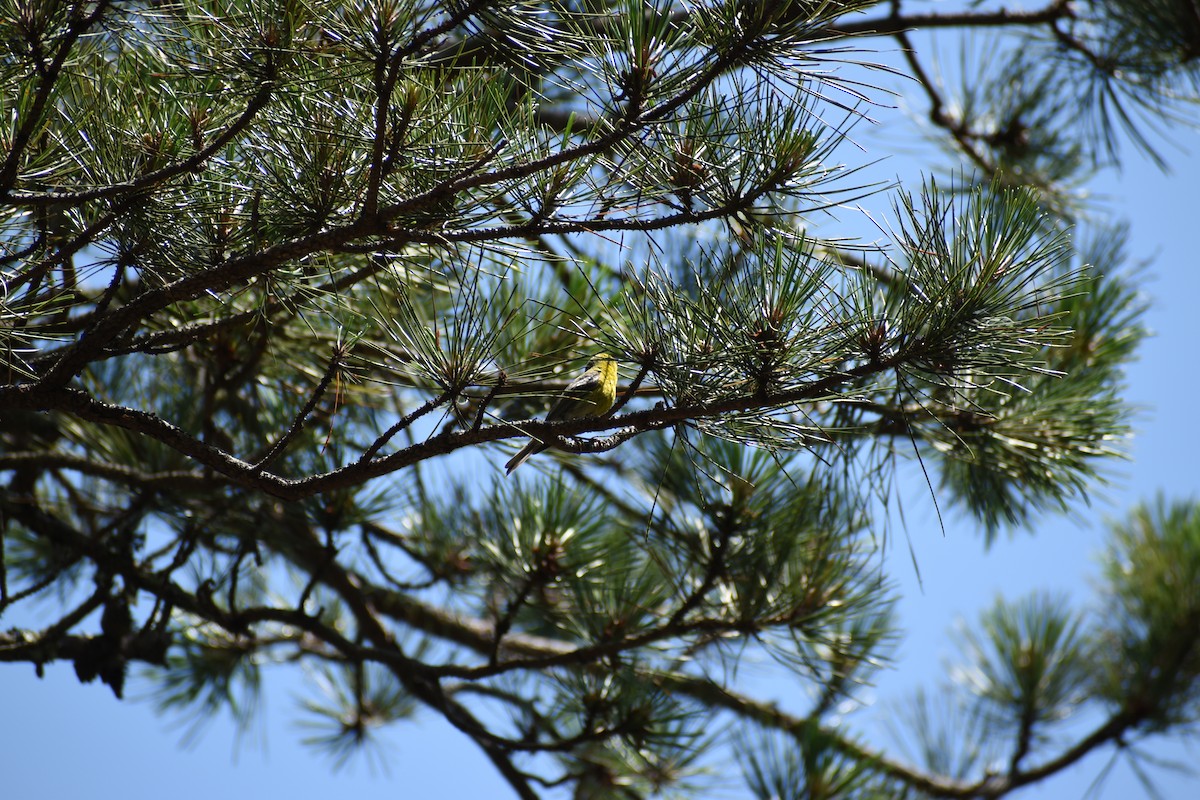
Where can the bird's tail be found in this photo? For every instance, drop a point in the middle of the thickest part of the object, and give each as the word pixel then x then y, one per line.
pixel 532 448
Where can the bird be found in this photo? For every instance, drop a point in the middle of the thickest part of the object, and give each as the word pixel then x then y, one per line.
pixel 590 395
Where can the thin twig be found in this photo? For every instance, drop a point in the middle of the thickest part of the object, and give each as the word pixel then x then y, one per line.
pixel 335 361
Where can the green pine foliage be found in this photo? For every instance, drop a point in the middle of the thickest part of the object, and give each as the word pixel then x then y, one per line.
pixel 282 283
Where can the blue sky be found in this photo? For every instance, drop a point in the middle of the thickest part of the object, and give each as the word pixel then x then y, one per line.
pixel 59 739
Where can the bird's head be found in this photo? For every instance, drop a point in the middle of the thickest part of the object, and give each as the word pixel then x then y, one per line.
pixel 605 364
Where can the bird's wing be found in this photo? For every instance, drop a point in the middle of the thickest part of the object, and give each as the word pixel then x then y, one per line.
pixel 587 382
pixel 579 389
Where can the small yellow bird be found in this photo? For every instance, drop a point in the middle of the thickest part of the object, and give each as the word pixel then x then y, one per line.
pixel 589 395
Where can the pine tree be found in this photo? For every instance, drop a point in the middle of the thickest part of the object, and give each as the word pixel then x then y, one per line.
pixel 286 283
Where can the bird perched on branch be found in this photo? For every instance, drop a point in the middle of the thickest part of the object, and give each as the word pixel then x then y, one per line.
pixel 589 395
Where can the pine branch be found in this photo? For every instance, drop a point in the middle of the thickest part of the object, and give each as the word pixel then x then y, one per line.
pixel 48 75
pixel 83 406
pixel 899 22
pixel 122 191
